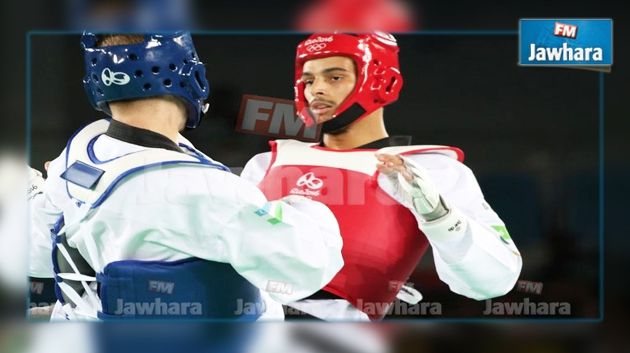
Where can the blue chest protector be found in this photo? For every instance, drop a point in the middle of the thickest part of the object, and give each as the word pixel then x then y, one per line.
pixel 132 289
pixel 190 288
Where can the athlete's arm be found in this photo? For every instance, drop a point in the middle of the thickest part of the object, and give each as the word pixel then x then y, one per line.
pixel 290 248
pixel 473 251
pixel 43 216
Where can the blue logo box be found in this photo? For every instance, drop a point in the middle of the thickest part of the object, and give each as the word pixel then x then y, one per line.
pixel 565 42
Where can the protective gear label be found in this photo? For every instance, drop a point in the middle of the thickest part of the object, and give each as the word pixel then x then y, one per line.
pixel 565 42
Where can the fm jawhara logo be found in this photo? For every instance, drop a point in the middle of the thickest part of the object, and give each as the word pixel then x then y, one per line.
pixel 566 43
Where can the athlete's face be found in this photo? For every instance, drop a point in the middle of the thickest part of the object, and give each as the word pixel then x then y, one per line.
pixel 328 82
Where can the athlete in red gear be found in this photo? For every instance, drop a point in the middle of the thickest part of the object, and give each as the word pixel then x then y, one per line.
pixel 391 201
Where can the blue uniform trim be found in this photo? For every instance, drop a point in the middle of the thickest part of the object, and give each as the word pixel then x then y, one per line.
pixel 68 152
pixel 55 239
pixel 131 171
pixel 92 155
pixel 203 159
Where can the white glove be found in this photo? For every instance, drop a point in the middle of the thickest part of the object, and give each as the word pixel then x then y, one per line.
pixel 35 183
pixel 415 184
pixel 425 196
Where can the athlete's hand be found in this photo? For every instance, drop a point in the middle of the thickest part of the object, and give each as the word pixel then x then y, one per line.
pixel 391 165
pixel 415 182
pixel 35 183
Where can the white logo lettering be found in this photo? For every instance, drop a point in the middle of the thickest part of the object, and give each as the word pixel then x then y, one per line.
pixel 527 308
pixel 310 181
pixel 279 287
pixel 316 47
pixel 118 78
pixel 565 30
pixel 161 287
pixel 157 307
pixel 565 53
pixel 319 39
pixel 385 38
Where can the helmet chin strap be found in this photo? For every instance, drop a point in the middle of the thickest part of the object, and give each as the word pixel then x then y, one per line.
pixel 347 117
pixel 204 110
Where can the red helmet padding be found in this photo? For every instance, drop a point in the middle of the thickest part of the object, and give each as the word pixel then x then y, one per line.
pixel 378 73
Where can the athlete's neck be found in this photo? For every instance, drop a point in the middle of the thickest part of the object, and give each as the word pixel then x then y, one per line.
pixel 359 133
pixel 163 115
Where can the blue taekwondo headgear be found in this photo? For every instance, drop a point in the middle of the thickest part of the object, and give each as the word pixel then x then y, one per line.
pixel 163 64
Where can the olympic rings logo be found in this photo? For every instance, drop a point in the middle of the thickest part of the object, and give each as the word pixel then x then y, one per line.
pixel 316 47
pixel 310 181
pixel 110 77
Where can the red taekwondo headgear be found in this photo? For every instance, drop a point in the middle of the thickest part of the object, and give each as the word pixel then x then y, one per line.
pixel 378 74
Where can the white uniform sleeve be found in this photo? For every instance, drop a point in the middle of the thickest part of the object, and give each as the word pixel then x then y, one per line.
pixel 44 213
pixel 289 249
pixel 256 167
pixel 472 249
pixel 18 183
pixel 43 216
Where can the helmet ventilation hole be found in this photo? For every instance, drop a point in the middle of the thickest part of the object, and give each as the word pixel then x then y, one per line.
pixel 199 80
pixel 172 66
pixel 167 83
pixel 138 73
pixel 133 57
pixel 147 86
pixel 391 83
pixel 155 69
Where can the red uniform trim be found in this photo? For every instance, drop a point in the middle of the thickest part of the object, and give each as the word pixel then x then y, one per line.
pixel 274 153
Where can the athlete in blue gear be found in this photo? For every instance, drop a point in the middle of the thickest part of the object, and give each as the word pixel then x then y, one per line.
pixel 146 226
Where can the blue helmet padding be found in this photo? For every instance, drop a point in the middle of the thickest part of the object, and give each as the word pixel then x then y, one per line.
pixel 163 64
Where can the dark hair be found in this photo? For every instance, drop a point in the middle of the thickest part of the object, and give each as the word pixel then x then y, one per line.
pixel 119 39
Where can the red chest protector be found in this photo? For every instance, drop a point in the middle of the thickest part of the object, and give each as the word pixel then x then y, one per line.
pixel 381 241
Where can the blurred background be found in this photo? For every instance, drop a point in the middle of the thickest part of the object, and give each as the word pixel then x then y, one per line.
pixel 531 135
